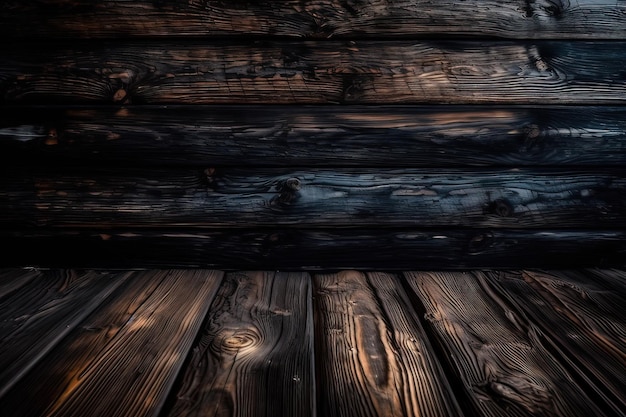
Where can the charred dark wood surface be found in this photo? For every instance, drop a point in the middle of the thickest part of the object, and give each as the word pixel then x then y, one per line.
pixel 124 358
pixel 289 72
pixel 46 306
pixel 255 354
pixel 317 249
pixel 580 19
pixel 589 315
pixel 381 136
pixel 377 358
pixel 499 355
pixel 198 342
pixel 257 197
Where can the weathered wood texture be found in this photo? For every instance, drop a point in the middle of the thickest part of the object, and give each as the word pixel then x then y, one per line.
pixel 318 19
pixel 54 375
pixel 515 343
pixel 382 136
pixel 500 356
pixel 255 354
pixel 49 306
pixel 584 318
pixel 303 248
pixel 252 197
pixel 12 279
pixel 202 72
pixel 128 367
pixel 611 279
pixel 374 357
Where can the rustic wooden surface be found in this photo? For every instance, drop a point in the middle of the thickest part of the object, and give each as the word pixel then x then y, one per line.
pixel 46 306
pixel 590 319
pixel 12 280
pixel 240 197
pixel 187 342
pixel 318 249
pixel 500 355
pixel 255 353
pixel 581 19
pixel 441 133
pixel 377 359
pixel 132 370
pixel 381 136
pixel 288 72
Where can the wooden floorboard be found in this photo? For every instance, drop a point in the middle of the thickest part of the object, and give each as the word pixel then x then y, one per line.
pixel 499 355
pixel 255 353
pixel 373 356
pixel 35 318
pixel 583 320
pixel 123 362
pixel 12 279
pixel 174 343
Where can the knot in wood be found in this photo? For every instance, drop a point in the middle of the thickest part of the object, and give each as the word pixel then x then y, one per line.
pixel 120 96
pixel 500 207
pixel 288 192
pixel 209 177
pixel 289 185
pixel 531 137
pixel 233 341
pixel 52 138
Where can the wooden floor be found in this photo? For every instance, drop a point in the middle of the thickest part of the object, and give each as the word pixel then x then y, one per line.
pixel 209 343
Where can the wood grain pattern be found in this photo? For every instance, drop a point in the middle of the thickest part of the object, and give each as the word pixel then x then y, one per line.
pixel 584 318
pixel 44 311
pixel 255 354
pixel 252 197
pixel 382 136
pixel 611 279
pixel 51 380
pixel 375 359
pixel 138 366
pixel 580 19
pixel 315 249
pixel 201 72
pixel 500 356
pixel 12 279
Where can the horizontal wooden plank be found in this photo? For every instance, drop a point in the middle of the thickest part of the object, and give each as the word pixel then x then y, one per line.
pixel 374 358
pixel 584 320
pixel 44 311
pixel 319 19
pixel 499 356
pixel 203 72
pixel 255 197
pixel 255 354
pixel 316 249
pixel 389 136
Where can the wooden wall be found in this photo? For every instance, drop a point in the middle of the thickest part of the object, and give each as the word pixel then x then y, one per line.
pixel 313 134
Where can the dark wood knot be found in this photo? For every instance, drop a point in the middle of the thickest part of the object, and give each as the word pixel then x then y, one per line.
pixel 120 96
pixel 209 178
pixel 531 137
pixel 288 192
pixel 289 185
pixel 500 207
